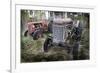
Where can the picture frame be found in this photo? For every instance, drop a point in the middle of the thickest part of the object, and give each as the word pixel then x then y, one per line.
pixel 17 66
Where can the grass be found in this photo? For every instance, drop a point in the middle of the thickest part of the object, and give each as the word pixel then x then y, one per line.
pixel 84 50
pixel 32 51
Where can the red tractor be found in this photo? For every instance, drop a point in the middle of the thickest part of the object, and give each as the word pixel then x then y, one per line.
pixel 36 29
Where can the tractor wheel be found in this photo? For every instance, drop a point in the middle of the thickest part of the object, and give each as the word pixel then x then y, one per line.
pixel 36 35
pixel 75 50
pixel 47 44
pixel 26 32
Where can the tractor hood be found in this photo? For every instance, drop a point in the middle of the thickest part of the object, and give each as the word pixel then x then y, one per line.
pixel 62 21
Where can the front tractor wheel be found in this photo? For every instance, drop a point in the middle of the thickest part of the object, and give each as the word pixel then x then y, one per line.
pixel 47 43
pixel 36 35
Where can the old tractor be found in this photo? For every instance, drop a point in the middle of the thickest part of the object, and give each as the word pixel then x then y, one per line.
pixel 62 29
pixel 36 29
